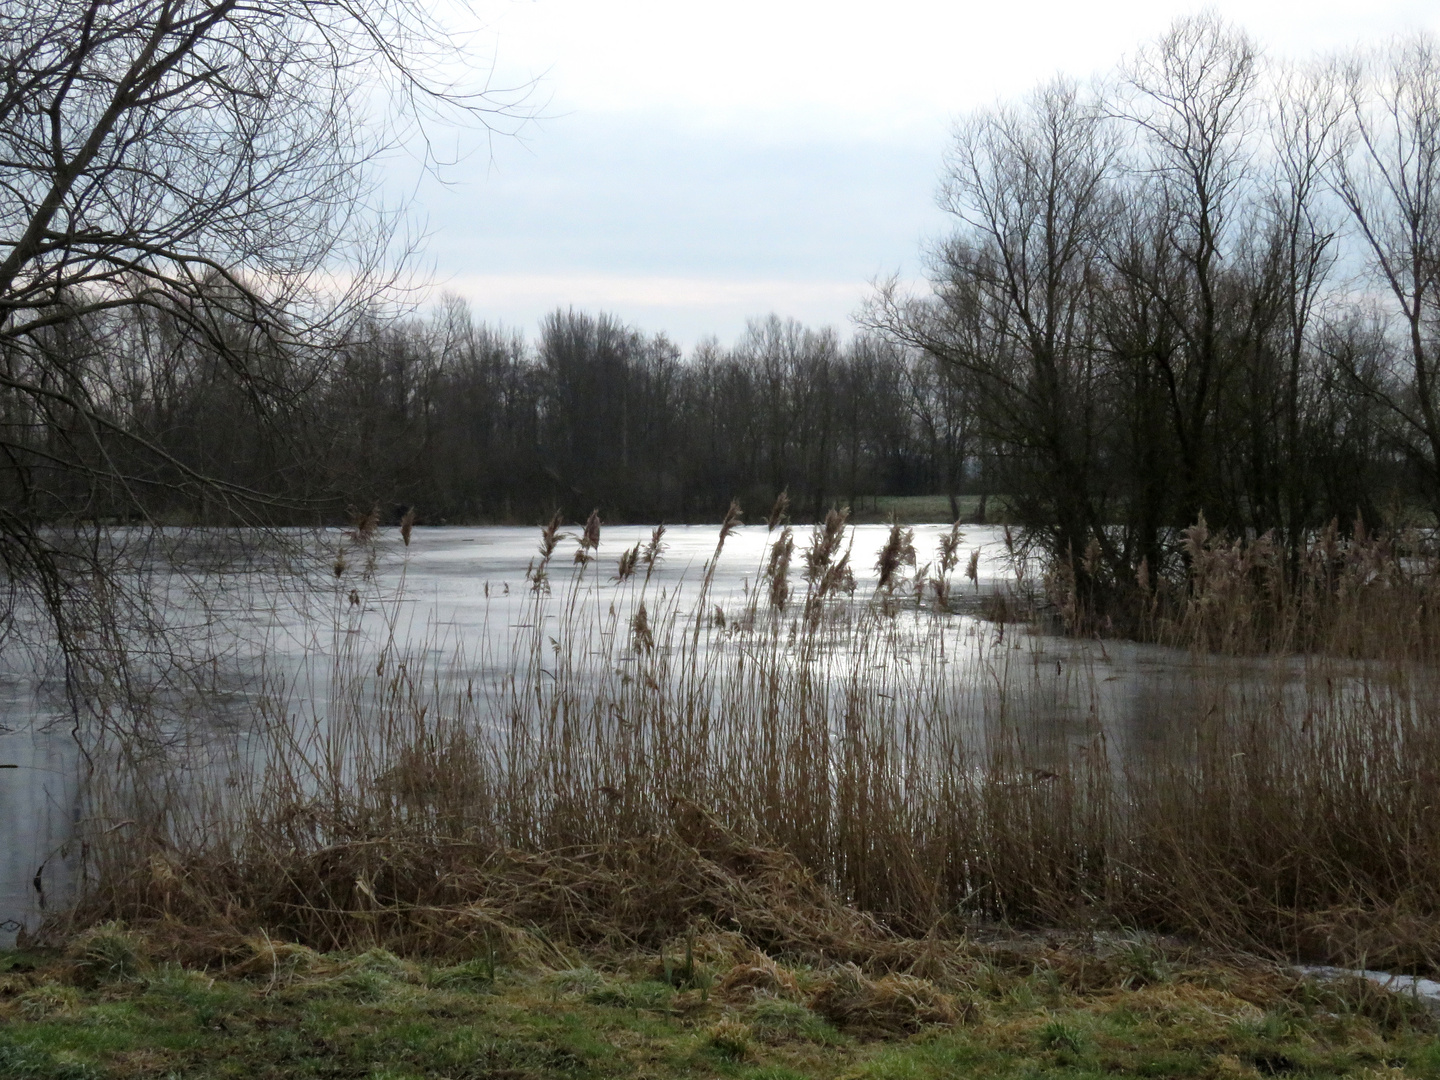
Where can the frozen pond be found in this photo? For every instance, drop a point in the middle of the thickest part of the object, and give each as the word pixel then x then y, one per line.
pixel 459 598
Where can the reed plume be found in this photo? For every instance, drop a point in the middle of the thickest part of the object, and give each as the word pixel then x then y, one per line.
pixel 589 539
pixel 825 540
pixel 898 551
pixel 641 637
pixel 779 512
pixel 654 548
pixel 950 549
pixel 777 570
pixel 731 521
pixel 538 574
pixel 733 518
pixel 550 536
pixel 629 560
pixel 363 525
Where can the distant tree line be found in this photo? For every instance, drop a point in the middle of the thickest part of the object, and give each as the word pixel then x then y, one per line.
pixel 470 423
pixel 1206 286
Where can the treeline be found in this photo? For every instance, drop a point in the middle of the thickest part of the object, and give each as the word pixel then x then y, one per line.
pixel 1206 286
pixel 470 423
pixel 473 424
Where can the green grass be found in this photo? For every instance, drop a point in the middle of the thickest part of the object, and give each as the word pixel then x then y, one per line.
pixel 925 509
pixel 375 1016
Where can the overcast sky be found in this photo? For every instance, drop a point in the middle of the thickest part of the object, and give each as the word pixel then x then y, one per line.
pixel 699 162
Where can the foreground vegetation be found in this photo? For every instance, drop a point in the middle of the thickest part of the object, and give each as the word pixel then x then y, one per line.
pixel 825 772
pixel 112 1005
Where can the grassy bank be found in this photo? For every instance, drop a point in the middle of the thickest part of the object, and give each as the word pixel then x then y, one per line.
pixel 113 1006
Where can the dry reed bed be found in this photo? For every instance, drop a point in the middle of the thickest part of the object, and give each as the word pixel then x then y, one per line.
pixel 806 772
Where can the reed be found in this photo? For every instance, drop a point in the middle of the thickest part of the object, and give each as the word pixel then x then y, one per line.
pixel 899 550
pixel 845 783
pixel 1365 595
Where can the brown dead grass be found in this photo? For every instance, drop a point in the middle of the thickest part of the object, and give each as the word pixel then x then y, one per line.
pixel 760 976
pixel 463 898
pixel 893 1003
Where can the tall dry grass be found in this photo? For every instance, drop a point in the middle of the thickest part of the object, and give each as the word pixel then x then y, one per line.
pixel 1361 595
pixel 829 772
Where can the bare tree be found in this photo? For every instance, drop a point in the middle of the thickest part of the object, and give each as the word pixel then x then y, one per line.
pixel 1305 114
pixel 1013 312
pixel 1387 172
pixel 189 184
pixel 939 407
pixel 1190 98
pixel 1140 300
